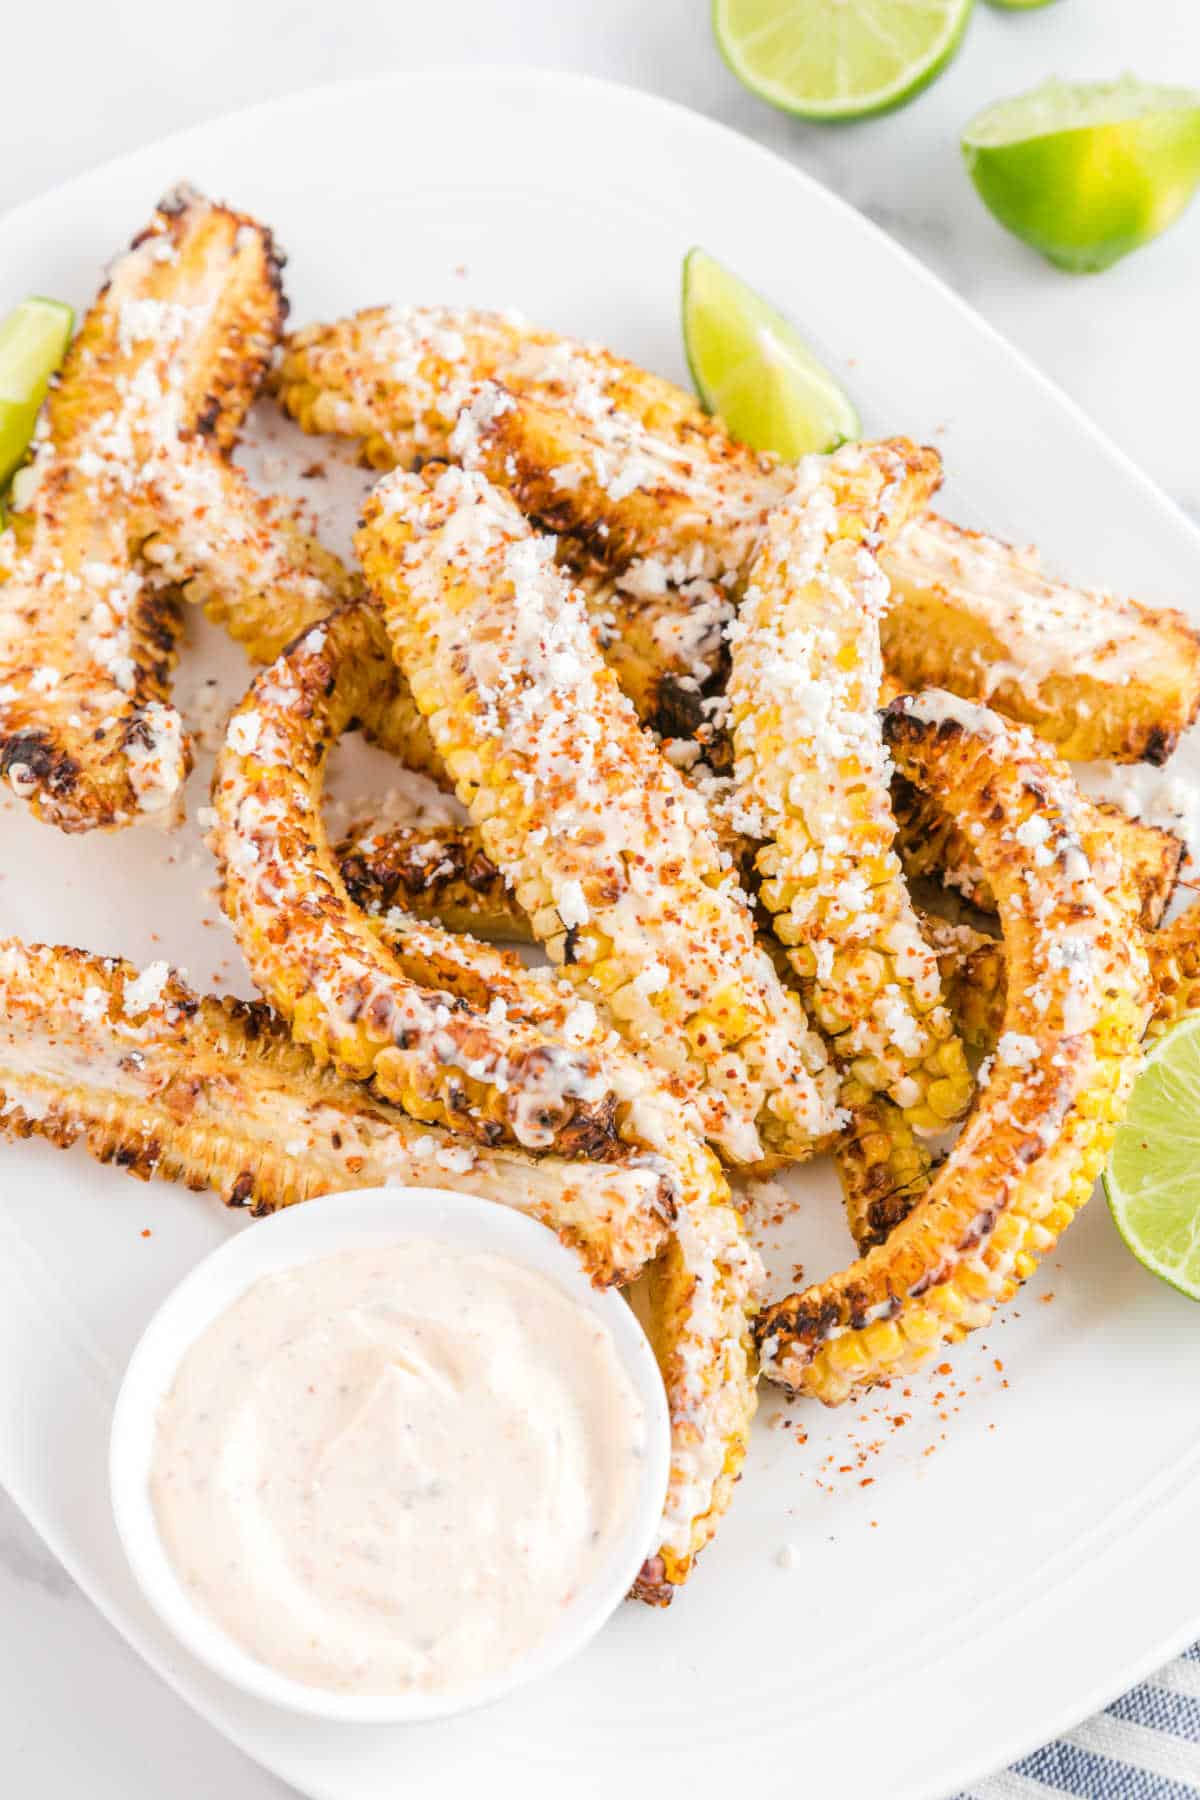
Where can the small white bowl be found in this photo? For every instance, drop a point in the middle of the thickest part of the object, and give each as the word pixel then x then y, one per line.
pixel 301 1234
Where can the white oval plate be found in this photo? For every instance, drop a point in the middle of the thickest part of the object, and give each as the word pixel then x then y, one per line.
pixel 971 1601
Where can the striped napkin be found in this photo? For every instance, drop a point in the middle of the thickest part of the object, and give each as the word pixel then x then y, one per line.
pixel 1146 1746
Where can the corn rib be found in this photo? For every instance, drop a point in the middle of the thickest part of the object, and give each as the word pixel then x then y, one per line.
pixel 171 351
pixel 214 1093
pixel 1095 675
pixel 810 778
pixel 609 854
pixel 315 956
pixel 643 485
pixel 1030 1152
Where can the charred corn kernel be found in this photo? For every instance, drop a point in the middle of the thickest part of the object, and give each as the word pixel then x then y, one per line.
pixel 885 1342
pixel 810 777
pixel 923 1328
pixel 1078 998
pixel 973 1283
pixel 612 857
pixel 849 1354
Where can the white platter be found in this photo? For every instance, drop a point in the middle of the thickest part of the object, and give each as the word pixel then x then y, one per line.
pixel 971 1601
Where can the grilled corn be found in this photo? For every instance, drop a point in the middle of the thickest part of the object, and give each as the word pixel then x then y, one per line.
pixel 214 1093
pixel 172 350
pixel 810 779
pixel 644 485
pixel 610 855
pixel 316 957
pixel 1027 1158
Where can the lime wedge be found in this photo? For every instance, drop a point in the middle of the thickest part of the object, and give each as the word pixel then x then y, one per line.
pixel 838 59
pixel 1153 1175
pixel 33 341
pixel 753 368
pixel 1087 171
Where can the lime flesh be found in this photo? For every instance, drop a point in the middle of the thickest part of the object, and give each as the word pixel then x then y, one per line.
pixel 1153 1175
pixel 838 59
pixel 752 367
pixel 1087 172
pixel 33 342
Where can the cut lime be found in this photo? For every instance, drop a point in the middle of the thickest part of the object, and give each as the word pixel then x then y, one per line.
pixel 33 341
pixel 1153 1175
pixel 753 368
pixel 1087 171
pixel 838 59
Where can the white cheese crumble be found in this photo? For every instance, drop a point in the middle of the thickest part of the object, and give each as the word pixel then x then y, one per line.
pixel 146 991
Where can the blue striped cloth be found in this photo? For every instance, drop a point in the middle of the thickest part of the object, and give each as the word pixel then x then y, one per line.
pixel 1145 1747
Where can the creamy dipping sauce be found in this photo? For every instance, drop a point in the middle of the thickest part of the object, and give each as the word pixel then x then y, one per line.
pixel 392 1469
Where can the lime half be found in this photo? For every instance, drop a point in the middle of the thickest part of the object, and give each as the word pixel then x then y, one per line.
pixel 1087 171
pixel 753 368
pixel 33 341
pixel 838 59
pixel 1153 1175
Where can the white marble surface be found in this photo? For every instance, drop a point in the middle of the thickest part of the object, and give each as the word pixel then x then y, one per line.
pixel 79 1715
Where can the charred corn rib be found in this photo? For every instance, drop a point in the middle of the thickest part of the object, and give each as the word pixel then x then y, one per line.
pixel 810 778
pixel 1095 675
pixel 316 957
pixel 609 853
pixel 399 379
pixel 1030 1152
pixel 934 845
pixel 214 1093
pixel 352 988
pixel 443 871
pixel 171 351
pixel 636 476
